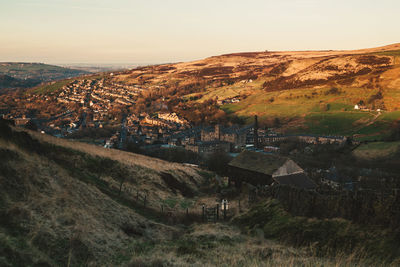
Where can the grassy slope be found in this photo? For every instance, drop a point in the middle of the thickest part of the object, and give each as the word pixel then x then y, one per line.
pixel 316 111
pixel 377 150
pixel 328 236
pixel 58 204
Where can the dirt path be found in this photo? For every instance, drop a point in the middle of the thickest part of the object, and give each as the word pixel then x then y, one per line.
pixel 373 120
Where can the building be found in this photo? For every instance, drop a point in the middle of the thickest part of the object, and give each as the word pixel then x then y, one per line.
pixel 266 169
pixel 234 135
pixel 209 147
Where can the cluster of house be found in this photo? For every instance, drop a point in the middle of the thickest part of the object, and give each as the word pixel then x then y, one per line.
pixel 309 139
pixel 205 140
pixel 229 100
pixel 98 94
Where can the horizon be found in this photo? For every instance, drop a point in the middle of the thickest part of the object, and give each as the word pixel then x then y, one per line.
pixel 102 64
pixel 156 32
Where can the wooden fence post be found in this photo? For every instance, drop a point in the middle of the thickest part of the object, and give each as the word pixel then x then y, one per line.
pixel 224 210
pixel 203 213
pixel 217 211
pixel 144 200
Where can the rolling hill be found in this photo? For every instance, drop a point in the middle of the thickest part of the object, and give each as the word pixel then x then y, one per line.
pixel 310 91
pixel 37 71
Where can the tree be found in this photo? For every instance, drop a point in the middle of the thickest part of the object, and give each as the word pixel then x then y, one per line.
pixel 218 162
pixel 31 126
pixel 277 122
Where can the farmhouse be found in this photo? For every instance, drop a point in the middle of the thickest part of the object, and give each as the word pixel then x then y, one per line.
pixel 266 169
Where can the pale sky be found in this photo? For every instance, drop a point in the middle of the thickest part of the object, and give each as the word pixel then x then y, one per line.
pixel 156 31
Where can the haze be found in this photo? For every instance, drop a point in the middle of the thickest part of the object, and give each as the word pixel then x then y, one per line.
pixel 151 31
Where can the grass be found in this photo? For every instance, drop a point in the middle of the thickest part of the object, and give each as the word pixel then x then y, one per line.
pixel 50 87
pixel 389 53
pixel 377 150
pixel 69 203
pixel 326 237
pixel 127 158
pixel 318 112
pixel 297 102
pixel 224 245
pixel 334 123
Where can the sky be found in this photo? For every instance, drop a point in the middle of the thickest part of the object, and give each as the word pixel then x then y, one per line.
pixel 162 31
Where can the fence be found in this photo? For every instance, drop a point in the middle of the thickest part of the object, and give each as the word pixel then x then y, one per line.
pixel 173 214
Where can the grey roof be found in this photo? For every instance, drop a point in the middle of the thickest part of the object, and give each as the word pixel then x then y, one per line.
pixel 258 162
pixel 299 180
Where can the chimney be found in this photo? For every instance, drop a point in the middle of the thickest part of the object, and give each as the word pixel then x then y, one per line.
pixel 217 132
pixel 256 132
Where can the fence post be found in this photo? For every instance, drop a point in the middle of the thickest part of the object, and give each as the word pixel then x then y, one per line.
pixel 240 209
pixel 187 212
pixel 224 210
pixel 203 213
pixel 144 200
pixel 162 208
pixel 217 211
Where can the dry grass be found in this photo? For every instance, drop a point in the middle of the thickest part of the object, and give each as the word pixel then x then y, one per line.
pixel 224 245
pixel 118 155
pixel 60 207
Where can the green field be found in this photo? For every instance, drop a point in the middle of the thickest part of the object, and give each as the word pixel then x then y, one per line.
pixel 389 53
pixel 377 150
pixel 318 112
pixel 334 123
pixel 49 88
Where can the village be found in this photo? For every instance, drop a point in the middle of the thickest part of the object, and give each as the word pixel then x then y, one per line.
pixel 85 107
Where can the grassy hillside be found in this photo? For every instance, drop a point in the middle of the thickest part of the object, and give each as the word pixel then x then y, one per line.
pixel 62 204
pixel 369 245
pixel 311 91
pixel 8 82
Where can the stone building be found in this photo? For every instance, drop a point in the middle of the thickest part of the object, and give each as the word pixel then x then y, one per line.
pixel 266 169
pixel 234 135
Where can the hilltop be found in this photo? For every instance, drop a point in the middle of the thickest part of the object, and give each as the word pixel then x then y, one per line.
pixel 37 71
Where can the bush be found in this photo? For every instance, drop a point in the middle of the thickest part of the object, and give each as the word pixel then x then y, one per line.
pixel 218 162
pixel 333 91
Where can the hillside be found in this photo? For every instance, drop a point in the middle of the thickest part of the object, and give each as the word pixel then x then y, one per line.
pixel 347 93
pixel 37 71
pixel 295 87
pixel 62 204
pixel 8 82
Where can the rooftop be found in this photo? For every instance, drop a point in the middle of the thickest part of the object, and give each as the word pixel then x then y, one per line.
pixel 258 162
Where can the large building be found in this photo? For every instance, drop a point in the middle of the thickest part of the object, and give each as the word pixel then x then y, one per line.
pixel 234 135
pixel 265 169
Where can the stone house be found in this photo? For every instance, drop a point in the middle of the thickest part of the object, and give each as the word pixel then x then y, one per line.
pixel 266 169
